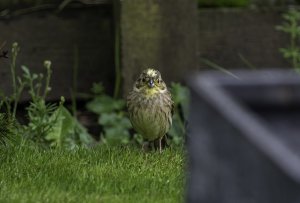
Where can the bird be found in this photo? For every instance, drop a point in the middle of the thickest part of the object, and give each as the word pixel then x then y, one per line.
pixel 150 106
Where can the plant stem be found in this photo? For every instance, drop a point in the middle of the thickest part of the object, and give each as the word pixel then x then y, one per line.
pixel 47 65
pixel 31 91
pixel 117 48
pixel 8 106
pixel 217 67
pixel 246 62
pixel 15 50
pixel 75 78
pixel 18 96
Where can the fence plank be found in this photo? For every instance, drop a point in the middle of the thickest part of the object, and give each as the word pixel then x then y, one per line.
pixel 45 35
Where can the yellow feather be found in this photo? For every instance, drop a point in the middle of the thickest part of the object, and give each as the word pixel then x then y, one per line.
pixel 151 91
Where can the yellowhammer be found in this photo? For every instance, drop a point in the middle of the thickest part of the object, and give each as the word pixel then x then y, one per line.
pixel 150 106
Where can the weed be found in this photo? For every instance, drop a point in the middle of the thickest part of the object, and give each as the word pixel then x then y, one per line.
pixel 17 84
pixel 181 98
pixel 112 116
pixel 49 124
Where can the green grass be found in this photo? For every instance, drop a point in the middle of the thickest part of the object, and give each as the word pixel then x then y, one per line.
pixel 101 174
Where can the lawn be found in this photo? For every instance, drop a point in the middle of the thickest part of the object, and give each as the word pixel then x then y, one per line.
pixel 101 174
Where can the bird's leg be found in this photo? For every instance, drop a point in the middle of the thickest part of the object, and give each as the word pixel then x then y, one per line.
pixel 160 148
pixel 158 145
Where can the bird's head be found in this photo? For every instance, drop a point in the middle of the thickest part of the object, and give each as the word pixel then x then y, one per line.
pixel 150 82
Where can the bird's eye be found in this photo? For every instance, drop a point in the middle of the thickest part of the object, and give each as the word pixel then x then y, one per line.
pixel 158 81
pixel 143 80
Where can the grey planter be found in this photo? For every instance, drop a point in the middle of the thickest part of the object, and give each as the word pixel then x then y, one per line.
pixel 244 144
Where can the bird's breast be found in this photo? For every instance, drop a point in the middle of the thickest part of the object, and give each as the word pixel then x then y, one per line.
pixel 151 116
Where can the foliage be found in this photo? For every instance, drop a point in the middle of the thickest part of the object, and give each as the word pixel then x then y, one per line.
pixel 112 116
pixel 49 124
pixel 67 131
pixel 101 174
pixel 39 112
pixel 17 84
pixel 292 28
pixel 9 125
pixel 223 3
pixel 181 98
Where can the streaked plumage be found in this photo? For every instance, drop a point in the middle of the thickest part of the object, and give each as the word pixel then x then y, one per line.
pixel 150 106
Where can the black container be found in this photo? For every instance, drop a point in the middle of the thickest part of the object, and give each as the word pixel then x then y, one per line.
pixel 244 143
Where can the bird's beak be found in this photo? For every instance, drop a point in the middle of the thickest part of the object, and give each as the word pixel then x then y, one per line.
pixel 151 83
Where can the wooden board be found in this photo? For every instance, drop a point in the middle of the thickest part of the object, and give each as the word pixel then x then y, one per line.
pixel 46 35
pixel 158 34
pixel 228 35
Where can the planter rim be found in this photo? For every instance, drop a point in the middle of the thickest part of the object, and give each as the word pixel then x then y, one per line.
pixel 253 77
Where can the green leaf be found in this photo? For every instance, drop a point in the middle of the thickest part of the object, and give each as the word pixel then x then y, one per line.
pixel 34 76
pixel 116 128
pixel 107 119
pixel 67 130
pixel 83 136
pixel 62 127
pixel 116 135
pixel 285 27
pixel 177 131
pixel 105 104
pixel 181 96
pixel 26 70
pixel 114 119
pixel 97 88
